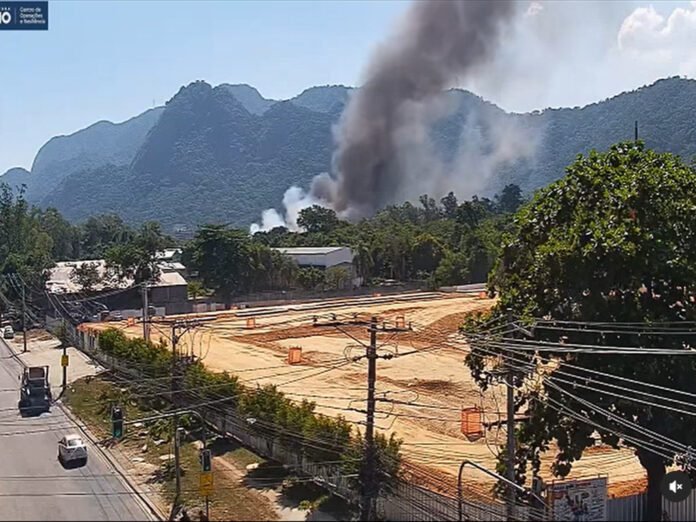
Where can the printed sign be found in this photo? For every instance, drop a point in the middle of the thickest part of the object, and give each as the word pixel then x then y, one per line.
pixel 64 360
pixel 579 500
pixel 23 16
pixel 205 484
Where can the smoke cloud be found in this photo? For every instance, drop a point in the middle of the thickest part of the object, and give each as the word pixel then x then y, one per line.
pixel 384 152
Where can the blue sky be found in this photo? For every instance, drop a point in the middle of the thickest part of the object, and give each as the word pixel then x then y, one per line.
pixel 112 60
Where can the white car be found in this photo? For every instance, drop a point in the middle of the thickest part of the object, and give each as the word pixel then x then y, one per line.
pixel 8 333
pixel 71 448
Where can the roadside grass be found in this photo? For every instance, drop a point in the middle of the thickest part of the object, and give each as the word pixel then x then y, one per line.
pixel 91 399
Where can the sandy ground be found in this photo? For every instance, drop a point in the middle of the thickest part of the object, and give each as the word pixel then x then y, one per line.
pixel 420 394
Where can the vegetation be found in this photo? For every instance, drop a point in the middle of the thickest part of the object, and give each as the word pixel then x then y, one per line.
pixel 269 412
pixel 613 241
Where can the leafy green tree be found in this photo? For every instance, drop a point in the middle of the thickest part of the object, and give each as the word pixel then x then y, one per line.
pixel 310 278
pixel 472 213
pixel 86 276
pixel 316 219
pixel 196 289
pixel 137 258
pixel 431 211
pixel 337 277
pixel 362 259
pixel 613 241
pixel 101 232
pixel 509 199
pixel 449 205
pixel 452 270
pixel 221 257
pixel 427 253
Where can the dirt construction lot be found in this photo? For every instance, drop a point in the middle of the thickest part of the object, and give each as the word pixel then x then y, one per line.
pixel 421 390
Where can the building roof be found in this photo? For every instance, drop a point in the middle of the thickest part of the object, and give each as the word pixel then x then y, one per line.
pixel 309 251
pixel 60 277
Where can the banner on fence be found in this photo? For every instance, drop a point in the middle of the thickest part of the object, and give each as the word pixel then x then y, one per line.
pixel 578 500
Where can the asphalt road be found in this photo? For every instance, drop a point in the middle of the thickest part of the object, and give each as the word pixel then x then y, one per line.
pixel 33 484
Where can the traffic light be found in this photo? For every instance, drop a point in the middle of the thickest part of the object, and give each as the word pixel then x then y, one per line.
pixel 205 460
pixel 116 422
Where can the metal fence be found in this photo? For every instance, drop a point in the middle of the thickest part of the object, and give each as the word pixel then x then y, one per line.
pixel 634 508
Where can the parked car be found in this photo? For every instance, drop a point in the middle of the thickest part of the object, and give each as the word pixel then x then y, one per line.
pixel 72 448
pixel 8 333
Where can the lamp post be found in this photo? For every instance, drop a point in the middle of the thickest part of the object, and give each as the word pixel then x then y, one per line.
pixel 492 474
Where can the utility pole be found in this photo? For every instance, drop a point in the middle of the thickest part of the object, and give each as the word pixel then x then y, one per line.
pixel 370 464
pixel 146 318
pixel 178 330
pixel 368 473
pixel 24 320
pixel 635 131
pixel 511 449
pixel 64 364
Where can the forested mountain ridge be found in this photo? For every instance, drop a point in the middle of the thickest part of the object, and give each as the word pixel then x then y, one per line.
pixel 226 153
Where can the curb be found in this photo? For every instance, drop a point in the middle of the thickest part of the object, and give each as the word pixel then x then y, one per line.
pixel 140 496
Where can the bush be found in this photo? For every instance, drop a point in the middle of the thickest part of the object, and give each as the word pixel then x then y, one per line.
pixel 297 425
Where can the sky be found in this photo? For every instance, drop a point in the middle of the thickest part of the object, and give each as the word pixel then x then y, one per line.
pixel 113 60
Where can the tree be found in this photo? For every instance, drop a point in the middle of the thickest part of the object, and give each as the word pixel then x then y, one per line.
pixel 316 219
pixel 337 277
pixel 431 211
pixel 86 276
pixel 310 278
pixel 452 270
pixel 449 205
pixel 613 241
pixel 427 252
pixel 509 199
pixel 221 256
pixel 471 213
pixel 196 289
pixel 137 258
pixel 362 258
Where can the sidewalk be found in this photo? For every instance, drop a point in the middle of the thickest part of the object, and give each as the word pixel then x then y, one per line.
pixel 44 350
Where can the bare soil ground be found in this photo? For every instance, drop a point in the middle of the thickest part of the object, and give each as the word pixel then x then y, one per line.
pixel 421 393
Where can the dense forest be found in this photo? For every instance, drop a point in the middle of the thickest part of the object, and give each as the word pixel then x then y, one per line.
pixel 441 243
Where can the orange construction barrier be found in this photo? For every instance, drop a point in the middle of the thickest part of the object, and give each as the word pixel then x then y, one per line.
pixel 131 321
pixel 295 355
pixel 472 425
pixel 251 322
pixel 483 295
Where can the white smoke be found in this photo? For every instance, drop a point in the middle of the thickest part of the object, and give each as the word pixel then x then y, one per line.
pixel 294 200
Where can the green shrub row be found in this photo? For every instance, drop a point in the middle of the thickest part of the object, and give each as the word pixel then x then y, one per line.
pixel 265 408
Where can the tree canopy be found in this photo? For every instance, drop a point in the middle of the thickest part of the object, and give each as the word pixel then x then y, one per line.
pixel 612 242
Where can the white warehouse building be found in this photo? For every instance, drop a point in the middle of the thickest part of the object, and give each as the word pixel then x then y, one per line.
pixel 323 258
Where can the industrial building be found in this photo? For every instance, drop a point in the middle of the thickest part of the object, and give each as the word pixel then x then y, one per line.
pixel 324 258
pixel 168 294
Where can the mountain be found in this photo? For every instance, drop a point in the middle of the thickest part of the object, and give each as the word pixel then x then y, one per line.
pixel 330 99
pixel 208 159
pixel 225 153
pixel 103 143
pixel 249 97
pixel 16 177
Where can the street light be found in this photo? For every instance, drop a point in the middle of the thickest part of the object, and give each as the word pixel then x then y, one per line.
pixel 492 474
